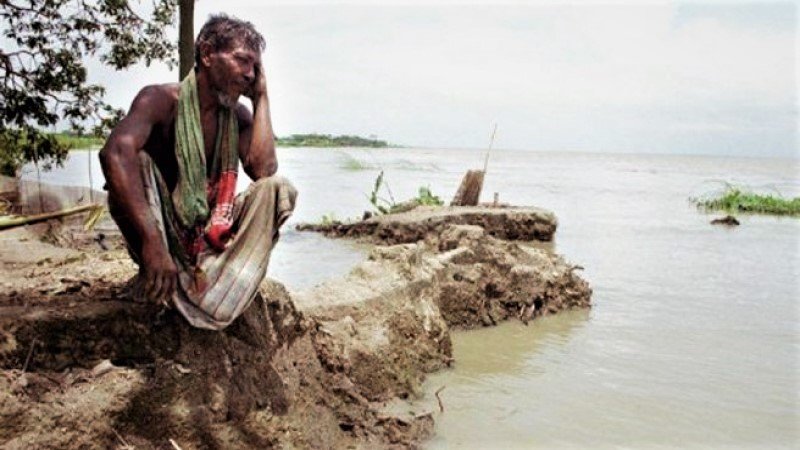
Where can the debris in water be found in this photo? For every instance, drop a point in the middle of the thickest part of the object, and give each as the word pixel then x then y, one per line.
pixel 727 220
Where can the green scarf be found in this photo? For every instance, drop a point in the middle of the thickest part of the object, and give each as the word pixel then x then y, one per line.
pixel 190 197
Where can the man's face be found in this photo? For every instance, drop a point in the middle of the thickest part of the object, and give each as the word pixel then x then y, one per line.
pixel 232 72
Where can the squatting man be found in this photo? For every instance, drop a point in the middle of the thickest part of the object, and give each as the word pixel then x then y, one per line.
pixel 171 168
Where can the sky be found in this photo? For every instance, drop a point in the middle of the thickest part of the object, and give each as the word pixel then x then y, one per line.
pixel 716 78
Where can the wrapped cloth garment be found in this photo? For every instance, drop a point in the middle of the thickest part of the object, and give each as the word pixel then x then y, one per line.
pixel 219 285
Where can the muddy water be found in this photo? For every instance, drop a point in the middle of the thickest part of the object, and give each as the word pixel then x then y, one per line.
pixel 694 339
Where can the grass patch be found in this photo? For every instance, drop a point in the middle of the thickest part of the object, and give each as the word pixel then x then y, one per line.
pixel 736 200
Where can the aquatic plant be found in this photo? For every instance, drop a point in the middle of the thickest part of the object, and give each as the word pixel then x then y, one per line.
pixel 735 199
pixel 383 206
pixel 427 198
pixel 351 163
pixel 328 219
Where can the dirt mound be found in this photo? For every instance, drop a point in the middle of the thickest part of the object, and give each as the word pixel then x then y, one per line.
pixel 511 223
pixel 258 384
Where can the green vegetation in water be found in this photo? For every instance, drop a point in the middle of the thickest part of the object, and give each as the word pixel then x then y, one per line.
pixel 327 140
pixel 427 198
pixel 383 206
pixel 352 163
pixel 329 219
pixel 78 142
pixel 736 200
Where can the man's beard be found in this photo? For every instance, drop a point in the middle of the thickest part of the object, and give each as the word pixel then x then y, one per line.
pixel 225 99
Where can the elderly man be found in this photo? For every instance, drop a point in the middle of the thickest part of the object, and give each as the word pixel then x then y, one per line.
pixel 171 167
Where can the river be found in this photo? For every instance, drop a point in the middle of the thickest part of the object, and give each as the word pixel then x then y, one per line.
pixel 694 337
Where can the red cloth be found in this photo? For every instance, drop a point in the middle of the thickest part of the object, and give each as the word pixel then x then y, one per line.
pixel 221 195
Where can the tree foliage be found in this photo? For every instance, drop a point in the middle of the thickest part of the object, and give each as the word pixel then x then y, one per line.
pixel 43 77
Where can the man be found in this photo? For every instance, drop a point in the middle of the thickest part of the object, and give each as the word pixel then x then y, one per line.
pixel 171 167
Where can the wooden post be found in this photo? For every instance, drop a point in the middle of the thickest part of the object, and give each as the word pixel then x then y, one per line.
pixel 469 192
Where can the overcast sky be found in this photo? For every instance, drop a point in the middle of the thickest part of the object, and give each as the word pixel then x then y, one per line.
pixel 644 77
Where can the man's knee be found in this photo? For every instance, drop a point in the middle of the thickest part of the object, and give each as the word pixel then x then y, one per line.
pixel 275 189
pixel 270 186
pixel 268 182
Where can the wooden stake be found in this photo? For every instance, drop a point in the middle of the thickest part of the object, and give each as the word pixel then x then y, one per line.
pixel 469 192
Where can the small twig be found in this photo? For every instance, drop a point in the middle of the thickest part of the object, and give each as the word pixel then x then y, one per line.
pixel 175 444
pixel 125 444
pixel 574 268
pixel 439 399
pixel 28 358
pixel 91 185
pixel 491 143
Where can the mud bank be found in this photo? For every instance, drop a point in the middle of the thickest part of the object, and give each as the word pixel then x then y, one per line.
pixel 509 223
pixel 313 371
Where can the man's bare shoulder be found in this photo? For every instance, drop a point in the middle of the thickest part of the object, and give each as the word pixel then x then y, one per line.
pixel 158 101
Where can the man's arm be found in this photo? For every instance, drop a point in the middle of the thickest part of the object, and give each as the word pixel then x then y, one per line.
pixel 120 160
pixel 256 140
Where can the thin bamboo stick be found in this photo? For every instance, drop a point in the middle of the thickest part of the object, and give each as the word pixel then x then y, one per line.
pixel 16 221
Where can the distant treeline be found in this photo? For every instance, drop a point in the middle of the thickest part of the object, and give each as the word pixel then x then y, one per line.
pixel 326 140
pixel 75 141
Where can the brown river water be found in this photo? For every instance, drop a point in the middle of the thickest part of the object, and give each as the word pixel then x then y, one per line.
pixel 694 337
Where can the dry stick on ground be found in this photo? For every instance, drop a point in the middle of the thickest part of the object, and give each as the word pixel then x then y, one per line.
pixel 28 358
pixel 439 399
pixel 27 220
pixel 125 444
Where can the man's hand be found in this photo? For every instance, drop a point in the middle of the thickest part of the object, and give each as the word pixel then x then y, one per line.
pixel 259 88
pixel 159 274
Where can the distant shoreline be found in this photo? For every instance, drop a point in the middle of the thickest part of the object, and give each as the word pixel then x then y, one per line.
pixel 327 140
pixel 76 142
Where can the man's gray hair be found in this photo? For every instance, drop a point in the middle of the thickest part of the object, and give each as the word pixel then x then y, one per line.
pixel 221 31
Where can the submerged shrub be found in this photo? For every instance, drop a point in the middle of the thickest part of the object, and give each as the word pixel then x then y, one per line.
pixel 735 199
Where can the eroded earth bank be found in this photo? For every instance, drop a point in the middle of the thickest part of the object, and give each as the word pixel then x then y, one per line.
pixel 83 367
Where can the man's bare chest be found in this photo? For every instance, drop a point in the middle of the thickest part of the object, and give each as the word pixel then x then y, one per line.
pixel 161 148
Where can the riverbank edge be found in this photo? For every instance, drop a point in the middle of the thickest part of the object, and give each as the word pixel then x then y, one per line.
pixel 333 355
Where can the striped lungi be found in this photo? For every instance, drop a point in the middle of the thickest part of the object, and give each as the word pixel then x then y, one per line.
pixel 223 284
